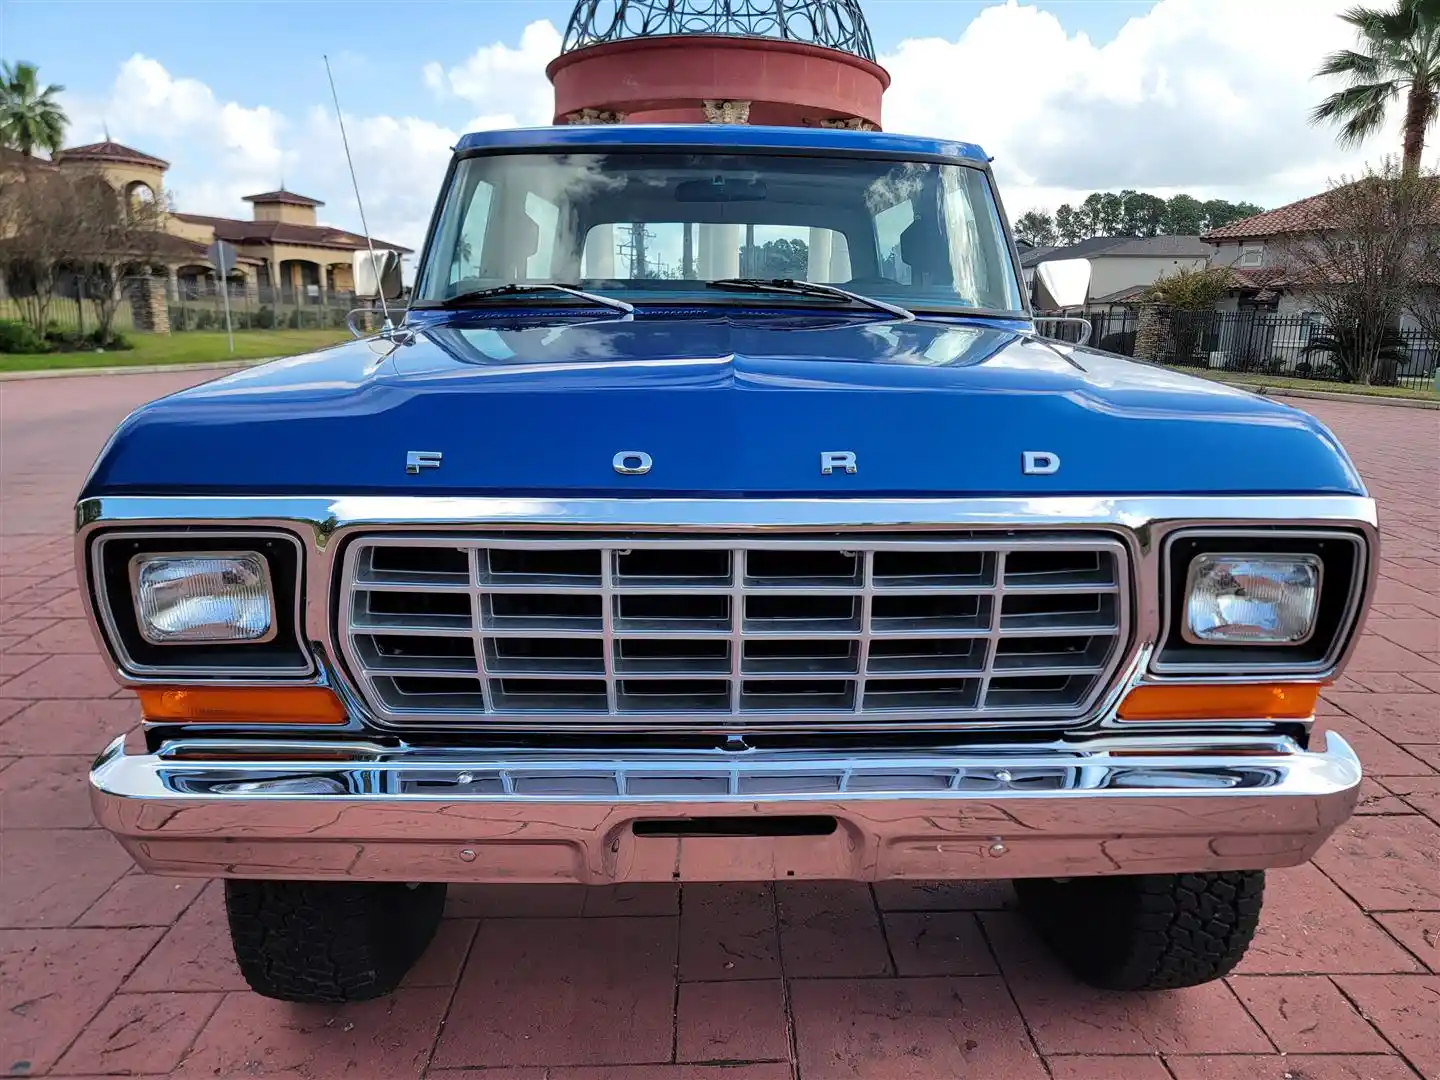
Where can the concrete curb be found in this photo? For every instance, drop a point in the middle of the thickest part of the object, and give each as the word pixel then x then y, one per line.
pixel 133 369
pixel 1322 395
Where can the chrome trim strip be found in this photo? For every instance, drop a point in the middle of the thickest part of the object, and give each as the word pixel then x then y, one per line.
pixel 1144 521
pixel 1124 805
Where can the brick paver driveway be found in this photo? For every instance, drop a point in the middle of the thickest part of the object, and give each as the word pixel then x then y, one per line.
pixel 106 971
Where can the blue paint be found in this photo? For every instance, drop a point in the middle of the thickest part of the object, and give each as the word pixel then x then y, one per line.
pixel 727 403
pixel 591 137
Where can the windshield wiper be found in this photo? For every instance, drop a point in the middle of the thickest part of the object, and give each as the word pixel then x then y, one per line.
pixel 809 288
pixel 475 296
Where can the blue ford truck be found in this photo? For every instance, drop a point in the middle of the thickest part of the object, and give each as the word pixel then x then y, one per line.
pixel 716 513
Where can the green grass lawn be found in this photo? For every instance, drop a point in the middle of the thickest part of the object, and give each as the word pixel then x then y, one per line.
pixel 191 347
pixel 1282 382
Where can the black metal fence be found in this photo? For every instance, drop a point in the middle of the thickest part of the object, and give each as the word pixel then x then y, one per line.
pixel 1254 343
pixel 194 304
pixel 260 308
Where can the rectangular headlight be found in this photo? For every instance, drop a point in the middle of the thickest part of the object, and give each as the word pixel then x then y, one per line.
pixel 1252 599
pixel 203 597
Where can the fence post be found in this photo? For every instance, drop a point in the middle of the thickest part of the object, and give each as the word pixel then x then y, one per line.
pixel 1150 331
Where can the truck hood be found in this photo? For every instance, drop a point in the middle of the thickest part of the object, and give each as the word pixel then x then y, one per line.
pixel 724 404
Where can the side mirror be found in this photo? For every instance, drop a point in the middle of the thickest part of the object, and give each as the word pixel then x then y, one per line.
pixel 378 277
pixel 1063 283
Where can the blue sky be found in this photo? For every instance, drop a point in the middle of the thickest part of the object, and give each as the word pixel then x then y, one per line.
pixel 1069 95
pixel 270 49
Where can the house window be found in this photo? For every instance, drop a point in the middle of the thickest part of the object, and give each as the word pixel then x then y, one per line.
pixel 1252 255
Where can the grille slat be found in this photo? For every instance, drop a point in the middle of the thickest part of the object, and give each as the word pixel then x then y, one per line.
pixel 716 633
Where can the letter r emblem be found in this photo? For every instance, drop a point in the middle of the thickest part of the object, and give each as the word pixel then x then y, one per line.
pixel 830 460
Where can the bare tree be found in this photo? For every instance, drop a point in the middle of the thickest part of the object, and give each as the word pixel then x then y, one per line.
pixel 1361 263
pixel 115 236
pixel 53 223
pixel 39 233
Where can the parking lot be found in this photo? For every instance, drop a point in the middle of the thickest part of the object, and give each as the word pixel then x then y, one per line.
pixel 106 971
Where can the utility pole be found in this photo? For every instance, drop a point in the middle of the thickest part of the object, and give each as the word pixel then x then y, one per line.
pixel 634 248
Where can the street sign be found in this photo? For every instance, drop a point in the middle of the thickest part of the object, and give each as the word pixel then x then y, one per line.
pixel 222 257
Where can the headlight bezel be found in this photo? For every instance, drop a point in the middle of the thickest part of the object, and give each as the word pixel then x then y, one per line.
pixel 1343 555
pixel 283 654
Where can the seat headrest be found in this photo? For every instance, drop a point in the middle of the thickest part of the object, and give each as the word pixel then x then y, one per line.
pixel 521 240
pixel 922 246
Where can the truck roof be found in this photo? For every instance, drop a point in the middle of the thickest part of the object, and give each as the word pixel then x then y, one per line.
pixel 735 136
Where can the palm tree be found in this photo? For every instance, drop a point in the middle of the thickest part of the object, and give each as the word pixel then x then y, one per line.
pixel 1398 53
pixel 29 116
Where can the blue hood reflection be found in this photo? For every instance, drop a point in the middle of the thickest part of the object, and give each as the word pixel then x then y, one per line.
pixel 729 403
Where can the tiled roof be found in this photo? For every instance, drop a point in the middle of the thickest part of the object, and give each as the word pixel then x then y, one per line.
pixel 1175 247
pixel 1302 216
pixel 283 196
pixel 1100 247
pixel 285 232
pixel 1083 250
pixel 111 151
pixel 1293 217
pixel 1129 294
pixel 1258 277
pixel 1269 278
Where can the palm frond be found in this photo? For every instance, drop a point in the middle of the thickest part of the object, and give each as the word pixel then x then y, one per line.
pixel 1361 108
pixel 1357 65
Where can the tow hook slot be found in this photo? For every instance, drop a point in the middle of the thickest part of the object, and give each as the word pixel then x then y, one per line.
pixel 797 825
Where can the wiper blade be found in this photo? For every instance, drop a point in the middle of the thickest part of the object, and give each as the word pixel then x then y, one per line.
pixel 809 288
pixel 478 296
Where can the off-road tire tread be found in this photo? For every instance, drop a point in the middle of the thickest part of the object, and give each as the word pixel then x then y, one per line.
pixel 329 942
pixel 1147 932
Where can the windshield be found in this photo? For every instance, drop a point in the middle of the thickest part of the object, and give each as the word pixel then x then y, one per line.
pixel 653 228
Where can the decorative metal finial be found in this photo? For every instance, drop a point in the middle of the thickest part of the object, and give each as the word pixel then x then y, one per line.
pixel 830 24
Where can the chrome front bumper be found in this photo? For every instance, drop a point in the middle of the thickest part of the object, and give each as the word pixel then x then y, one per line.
pixel 1119 806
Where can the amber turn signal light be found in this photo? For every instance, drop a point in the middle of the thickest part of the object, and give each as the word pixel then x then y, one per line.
pixel 241 705
pixel 1188 701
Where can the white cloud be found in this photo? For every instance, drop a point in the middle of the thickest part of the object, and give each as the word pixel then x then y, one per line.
pixel 222 150
pixel 1206 96
pixel 399 161
pixel 509 84
pixel 219 150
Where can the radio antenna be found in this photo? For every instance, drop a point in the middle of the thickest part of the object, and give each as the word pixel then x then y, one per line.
pixel 354 181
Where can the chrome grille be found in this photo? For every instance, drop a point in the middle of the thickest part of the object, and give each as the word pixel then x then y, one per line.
pixel 545 631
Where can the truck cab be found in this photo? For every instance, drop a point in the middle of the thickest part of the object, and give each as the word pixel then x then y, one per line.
pixel 715 512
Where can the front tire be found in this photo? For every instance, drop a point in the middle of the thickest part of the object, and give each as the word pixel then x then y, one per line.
pixel 1147 932
pixel 329 942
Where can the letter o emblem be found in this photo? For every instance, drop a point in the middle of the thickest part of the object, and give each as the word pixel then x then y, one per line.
pixel 632 463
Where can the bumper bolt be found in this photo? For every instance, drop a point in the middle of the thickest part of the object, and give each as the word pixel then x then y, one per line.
pixel 997 849
pixel 467 855
pixel 1003 776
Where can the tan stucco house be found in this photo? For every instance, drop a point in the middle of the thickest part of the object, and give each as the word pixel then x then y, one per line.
pixel 283 244
pixel 1122 268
